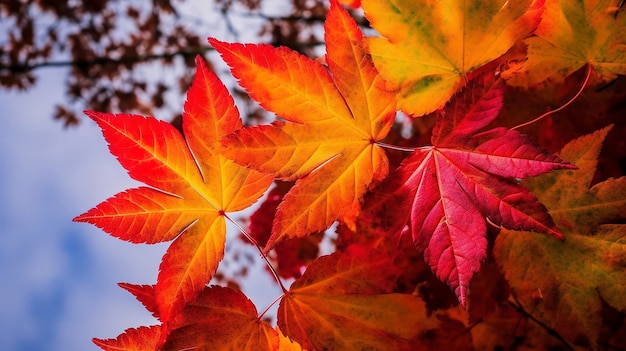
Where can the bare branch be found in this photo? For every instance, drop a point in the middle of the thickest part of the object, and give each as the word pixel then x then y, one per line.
pixel 25 68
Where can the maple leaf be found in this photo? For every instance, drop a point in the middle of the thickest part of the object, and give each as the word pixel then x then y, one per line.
pixel 447 191
pixel 564 283
pixel 429 47
pixel 343 302
pixel 573 34
pixel 191 187
pixel 220 319
pixel 132 339
pixel 333 117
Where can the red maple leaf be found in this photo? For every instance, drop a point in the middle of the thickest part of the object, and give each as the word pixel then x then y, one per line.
pixel 191 187
pixel 448 191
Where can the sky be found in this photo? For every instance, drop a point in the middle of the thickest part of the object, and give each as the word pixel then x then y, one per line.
pixel 59 278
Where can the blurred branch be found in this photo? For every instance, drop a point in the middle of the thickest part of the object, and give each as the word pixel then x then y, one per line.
pixel 24 68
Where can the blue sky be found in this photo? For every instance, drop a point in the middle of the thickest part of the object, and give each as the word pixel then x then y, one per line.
pixel 59 277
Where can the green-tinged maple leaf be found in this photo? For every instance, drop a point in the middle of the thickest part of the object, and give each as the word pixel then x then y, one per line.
pixel 333 117
pixel 343 302
pixel 572 34
pixel 563 283
pixel 191 187
pixel 429 47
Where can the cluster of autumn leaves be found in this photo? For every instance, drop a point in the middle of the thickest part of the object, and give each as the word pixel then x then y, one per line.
pixel 428 209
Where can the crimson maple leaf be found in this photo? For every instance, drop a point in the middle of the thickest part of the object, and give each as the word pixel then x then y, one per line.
pixel 449 190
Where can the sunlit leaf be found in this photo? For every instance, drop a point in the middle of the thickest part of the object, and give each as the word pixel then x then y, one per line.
pixel 191 187
pixel 573 34
pixel 332 117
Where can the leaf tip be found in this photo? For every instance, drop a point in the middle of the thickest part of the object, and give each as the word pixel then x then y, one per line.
pixel 461 293
pixel 215 43
pixel 101 343
pixel 557 234
pixel 82 218
pixel 94 115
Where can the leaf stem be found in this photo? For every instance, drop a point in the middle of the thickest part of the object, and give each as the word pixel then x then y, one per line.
pixel 589 69
pixel 400 148
pixel 258 247
pixel 270 305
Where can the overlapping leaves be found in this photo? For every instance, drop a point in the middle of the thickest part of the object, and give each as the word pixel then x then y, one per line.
pixel 447 192
pixel 573 34
pixel 565 283
pixel 217 318
pixel 328 141
pixel 344 302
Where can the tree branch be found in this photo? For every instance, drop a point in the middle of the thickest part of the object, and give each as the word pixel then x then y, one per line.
pixel 25 68
pixel 21 68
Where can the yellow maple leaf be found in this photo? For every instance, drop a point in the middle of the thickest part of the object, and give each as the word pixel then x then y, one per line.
pixel 429 47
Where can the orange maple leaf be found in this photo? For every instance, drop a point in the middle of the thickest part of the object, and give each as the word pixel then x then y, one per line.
pixel 430 46
pixel 334 116
pixel 192 186
pixel 344 302
pixel 220 319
